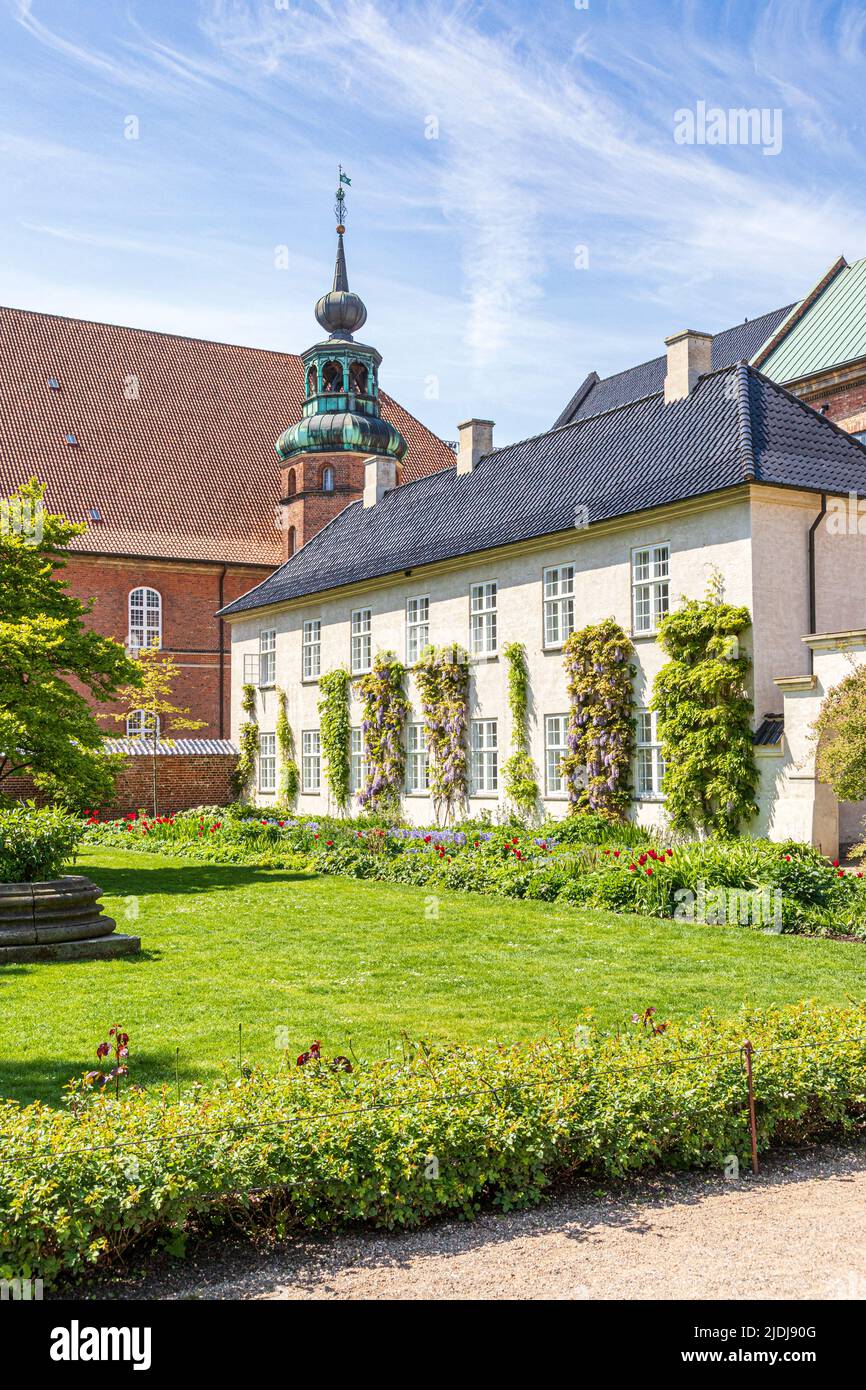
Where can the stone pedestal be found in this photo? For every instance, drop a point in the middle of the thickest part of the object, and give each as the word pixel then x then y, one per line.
pixel 60 919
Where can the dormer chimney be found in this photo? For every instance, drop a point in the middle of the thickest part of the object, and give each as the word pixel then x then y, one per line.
pixel 476 439
pixel 380 476
pixel 690 355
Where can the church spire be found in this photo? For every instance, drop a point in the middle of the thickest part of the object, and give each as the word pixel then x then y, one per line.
pixel 341 311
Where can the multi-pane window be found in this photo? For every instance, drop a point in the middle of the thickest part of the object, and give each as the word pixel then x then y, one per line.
pixel 417 765
pixel 555 749
pixel 357 761
pixel 558 604
pixel 268 656
pixel 311 760
pixel 649 765
pixel 145 618
pixel 650 567
pixel 267 762
pixel 485 757
pixel 140 723
pixel 417 627
pixel 312 649
pixel 362 641
pixel 482 618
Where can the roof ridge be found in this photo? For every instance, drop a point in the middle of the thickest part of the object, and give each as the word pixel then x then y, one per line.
pixel 798 311
pixel 151 332
pixel 805 407
pixel 744 420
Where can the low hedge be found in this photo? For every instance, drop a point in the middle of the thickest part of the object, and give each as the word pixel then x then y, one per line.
pixel 440 1130
pixel 36 843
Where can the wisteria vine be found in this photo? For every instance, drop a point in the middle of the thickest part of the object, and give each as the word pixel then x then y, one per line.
pixel 385 707
pixel 442 677
pixel 597 765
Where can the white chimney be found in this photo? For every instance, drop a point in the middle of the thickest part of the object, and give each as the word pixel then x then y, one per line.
pixel 690 355
pixel 476 439
pixel 380 476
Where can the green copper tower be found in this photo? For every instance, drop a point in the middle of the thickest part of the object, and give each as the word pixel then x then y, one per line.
pixel 341 377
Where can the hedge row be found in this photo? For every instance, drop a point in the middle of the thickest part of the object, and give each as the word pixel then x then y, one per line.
pixel 440 1130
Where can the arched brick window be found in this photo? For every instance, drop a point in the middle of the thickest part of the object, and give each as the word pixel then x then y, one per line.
pixel 292 542
pixel 145 618
pixel 328 479
pixel 291 483
pixel 140 723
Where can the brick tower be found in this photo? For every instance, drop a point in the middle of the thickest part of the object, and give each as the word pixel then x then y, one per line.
pixel 341 426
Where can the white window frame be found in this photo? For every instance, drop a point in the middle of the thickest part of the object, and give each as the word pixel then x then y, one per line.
pixel 311 649
pixel 558 590
pixel 357 760
pixel 483 618
pixel 649 769
pixel 417 627
pixel 267 775
pixel 484 755
pixel 311 761
pixel 555 749
pixel 650 587
pixel 417 760
pixel 146 624
pixel 139 724
pixel 362 641
pixel 267 658
pixel 328 479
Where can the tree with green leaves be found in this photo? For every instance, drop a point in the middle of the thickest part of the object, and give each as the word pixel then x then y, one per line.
pixel 51 661
pixel 840 731
pixel 704 716
pixel 152 695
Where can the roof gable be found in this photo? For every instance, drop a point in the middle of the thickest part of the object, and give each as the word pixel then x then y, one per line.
pixel 830 332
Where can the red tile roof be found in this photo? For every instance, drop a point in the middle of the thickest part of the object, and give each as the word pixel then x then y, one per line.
pixel 187 470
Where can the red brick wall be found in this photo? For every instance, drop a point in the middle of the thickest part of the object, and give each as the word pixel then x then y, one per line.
pixel 842 393
pixel 191 634
pixel 183 780
pixel 306 508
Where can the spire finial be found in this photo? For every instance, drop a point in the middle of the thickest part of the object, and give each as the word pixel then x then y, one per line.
pixel 340 205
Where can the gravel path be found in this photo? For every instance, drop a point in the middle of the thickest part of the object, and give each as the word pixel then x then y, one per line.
pixel 798 1231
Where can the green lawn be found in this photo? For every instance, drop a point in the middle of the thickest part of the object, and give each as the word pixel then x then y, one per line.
pixel 340 960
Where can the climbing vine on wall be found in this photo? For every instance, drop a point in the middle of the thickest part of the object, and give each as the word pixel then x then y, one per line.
pixel 521 786
pixel 385 708
pixel 704 716
pixel 442 677
pixel 248 738
pixel 335 733
pixel 290 780
pixel 597 766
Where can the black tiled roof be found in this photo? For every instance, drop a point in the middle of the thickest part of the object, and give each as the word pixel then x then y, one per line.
pixel 736 426
pixel 733 345
pixel 769 732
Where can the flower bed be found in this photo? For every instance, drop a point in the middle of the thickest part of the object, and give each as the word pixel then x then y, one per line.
pixel 585 860
pixel 439 1130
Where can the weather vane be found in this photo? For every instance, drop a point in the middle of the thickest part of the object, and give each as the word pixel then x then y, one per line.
pixel 340 205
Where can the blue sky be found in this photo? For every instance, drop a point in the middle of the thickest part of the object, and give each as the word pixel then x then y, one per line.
pixel 554 126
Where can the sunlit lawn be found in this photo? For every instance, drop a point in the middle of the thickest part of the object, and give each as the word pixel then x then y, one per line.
pixel 358 963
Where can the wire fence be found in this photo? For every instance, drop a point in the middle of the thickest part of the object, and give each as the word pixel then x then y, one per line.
pixel 745 1052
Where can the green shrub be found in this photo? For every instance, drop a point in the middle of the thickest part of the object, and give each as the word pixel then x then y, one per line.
pixel 439 1130
pixel 36 842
